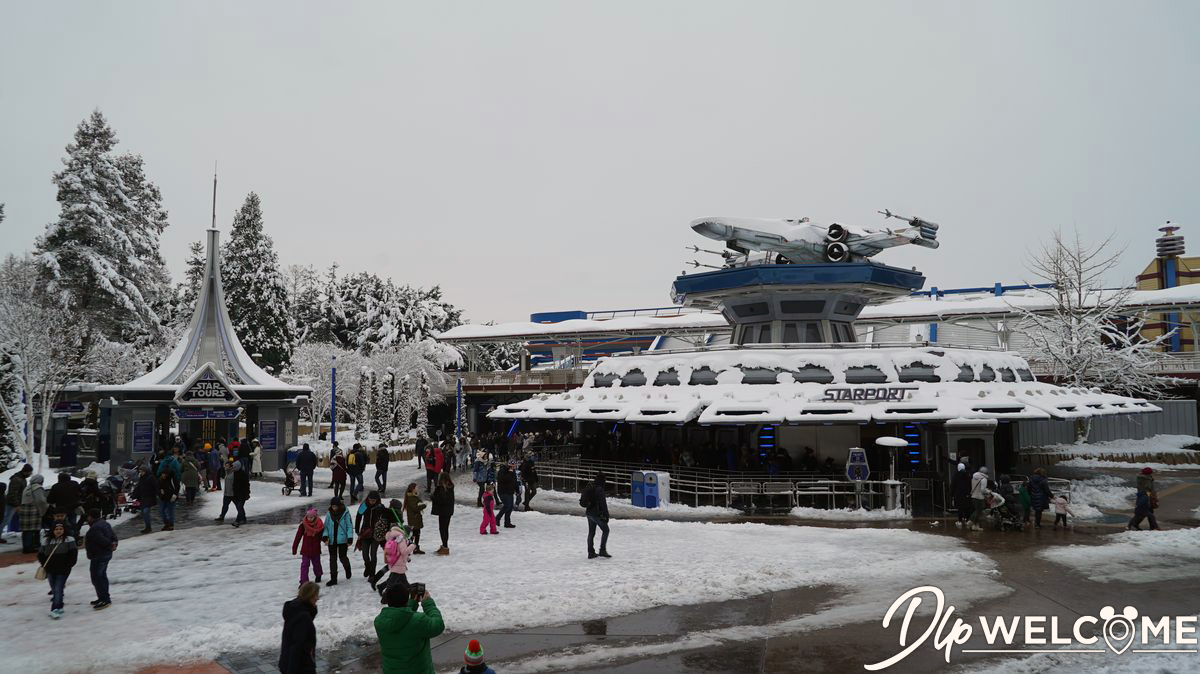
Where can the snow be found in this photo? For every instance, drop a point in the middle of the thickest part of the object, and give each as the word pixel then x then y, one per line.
pixel 849 514
pixel 1131 465
pixel 1142 663
pixel 1158 444
pixel 215 589
pixel 1108 492
pixel 1133 556
pixel 624 508
pixel 521 330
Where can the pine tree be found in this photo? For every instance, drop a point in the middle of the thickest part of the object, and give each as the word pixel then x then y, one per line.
pixel 304 296
pixel 100 257
pixel 389 403
pixel 404 405
pixel 193 275
pixel 378 407
pixel 10 395
pixel 255 292
pixel 362 406
pixel 147 219
pixel 422 404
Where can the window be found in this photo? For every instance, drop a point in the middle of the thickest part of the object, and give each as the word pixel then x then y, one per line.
pixel 634 377
pixel 1007 374
pixel 867 374
pixel 1026 375
pixel 604 380
pixel 759 375
pixel 965 373
pixel 745 335
pixel 842 332
pixel 668 378
pixel 812 374
pixel 751 310
pixel 918 372
pixel 812 332
pixel 848 308
pixel 764 334
pixel 986 373
pixel 802 306
pixel 703 377
pixel 791 334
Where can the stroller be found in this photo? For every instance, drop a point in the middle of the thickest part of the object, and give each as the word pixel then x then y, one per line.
pixel 291 480
pixel 1001 513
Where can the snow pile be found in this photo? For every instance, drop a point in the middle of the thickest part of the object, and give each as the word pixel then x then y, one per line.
pixel 1158 444
pixel 1106 492
pixel 217 589
pixel 1134 556
pixel 849 514
pixel 1106 463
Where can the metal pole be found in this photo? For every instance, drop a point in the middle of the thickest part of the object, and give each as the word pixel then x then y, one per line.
pixel 333 405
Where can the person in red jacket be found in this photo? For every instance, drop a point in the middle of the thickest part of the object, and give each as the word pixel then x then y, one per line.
pixel 338 464
pixel 308 540
pixel 435 460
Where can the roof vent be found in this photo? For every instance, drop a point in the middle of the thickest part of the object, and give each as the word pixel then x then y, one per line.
pixel 1169 244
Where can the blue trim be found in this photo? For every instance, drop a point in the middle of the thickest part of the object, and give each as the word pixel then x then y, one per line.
pixel 556 316
pixel 512 428
pixel 797 274
pixel 933 332
pixel 1170 280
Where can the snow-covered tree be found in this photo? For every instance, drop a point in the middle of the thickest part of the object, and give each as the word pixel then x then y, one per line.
pixel 367 313
pixel 491 356
pixel 304 296
pixel 312 365
pixel 188 290
pixel 1087 340
pixel 388 403
pixel 422 405
pixel 10 396
pixel 255 291
pixel 362 405
pixel 100 257
pixel 404 404
pixel 45 344
pixel 379 425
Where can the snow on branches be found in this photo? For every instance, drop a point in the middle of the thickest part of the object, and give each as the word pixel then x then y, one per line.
pixel 255 292
pixel 1087 340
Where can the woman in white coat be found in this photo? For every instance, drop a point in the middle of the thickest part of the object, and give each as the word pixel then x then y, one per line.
pixel 256 457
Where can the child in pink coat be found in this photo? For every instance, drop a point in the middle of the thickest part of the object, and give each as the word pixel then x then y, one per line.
pixel 489 514
pixel 308 540
pixel 397 549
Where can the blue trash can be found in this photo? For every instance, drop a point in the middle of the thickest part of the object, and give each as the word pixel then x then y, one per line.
pixel 651 486
pixel 637 490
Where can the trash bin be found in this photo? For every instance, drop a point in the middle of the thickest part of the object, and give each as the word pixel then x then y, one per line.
pixel 637 488
pixel 658 488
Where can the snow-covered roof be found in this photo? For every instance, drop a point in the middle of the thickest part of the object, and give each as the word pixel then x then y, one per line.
pixel 588 328
pixel 760 386
pixel 210 338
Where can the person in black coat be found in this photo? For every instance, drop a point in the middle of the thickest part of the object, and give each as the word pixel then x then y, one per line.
pixel 64 497
pixel 443 508
pixel 382 461
pixel 99 543
pixel 306 463
pixel 241 491
pixel 146 494
pixel 506 486
pixel 1039 495
pixel 168 492
pixel 530 477
pixel 960 486
pixel 298 647
pixel 596 501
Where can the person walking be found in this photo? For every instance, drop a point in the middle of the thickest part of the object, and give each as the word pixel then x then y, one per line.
pixel 298 645
pixel 146 494
pixel 479 476
pixel 356 465
pixel 506 485
pixel 473 660
pixel 371 514
pixel 1039 495
pixel 308 540
pixel 382 460
pixel 443 507
pixel 435 461
pixel 419 450
pixel 31 512
pixel 191 479
pixel 306 463
pixel 595 501
pixel 413 505
pixel 168 493
pixel 1144 506
pixel 241 492
pixel 397 549
pixel 529 477
pixel 404 632
pixel 338 466
pixel 961 488
pixel 63 497
pixel 12 498
pixel 979 491
pixel 337 536
pixel 489 516
pixel 57 556
pixel 1061 510
pixel 213 457
pixel 99 543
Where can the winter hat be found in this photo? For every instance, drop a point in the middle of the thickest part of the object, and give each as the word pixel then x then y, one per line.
pixel 373 495
pixel 1147 470
pixel 336 500
pixel 311 512
pixel 983 469
pixel 473 656
pixel 962 466
pixel 208 445
pixel 395 503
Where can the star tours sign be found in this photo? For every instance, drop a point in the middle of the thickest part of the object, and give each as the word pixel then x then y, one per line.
pixel 208 387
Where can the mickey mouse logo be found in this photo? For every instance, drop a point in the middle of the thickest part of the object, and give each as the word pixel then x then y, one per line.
pixel 1118 627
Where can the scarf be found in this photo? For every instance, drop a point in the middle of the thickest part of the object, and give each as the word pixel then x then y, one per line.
pixel 313 528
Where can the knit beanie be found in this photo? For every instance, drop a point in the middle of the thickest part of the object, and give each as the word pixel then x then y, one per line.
pixel 312 512
pixel 474 653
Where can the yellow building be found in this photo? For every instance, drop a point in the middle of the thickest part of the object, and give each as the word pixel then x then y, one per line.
pixel 1170 270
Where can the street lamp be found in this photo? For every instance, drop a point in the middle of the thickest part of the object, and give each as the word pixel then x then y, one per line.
pixel 333 403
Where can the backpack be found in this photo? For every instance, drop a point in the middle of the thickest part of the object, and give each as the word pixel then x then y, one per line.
pixel 352 459
pixel 587 497
pixel 379 531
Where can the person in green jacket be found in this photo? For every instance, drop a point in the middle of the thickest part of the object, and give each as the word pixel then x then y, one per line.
pixel 404 633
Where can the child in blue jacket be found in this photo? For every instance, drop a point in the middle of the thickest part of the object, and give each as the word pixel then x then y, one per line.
pixel 338 535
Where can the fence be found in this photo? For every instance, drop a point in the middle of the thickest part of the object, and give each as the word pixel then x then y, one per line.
pixel 1178 417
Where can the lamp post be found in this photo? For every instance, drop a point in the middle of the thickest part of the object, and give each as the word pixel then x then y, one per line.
pixel 333 403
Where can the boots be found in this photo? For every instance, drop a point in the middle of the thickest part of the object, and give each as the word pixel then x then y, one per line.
pixel 443 550
pixel 418 551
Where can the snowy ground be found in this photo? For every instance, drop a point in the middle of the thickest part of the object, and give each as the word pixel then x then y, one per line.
pixel 1141 663
pixel 1108 492
pixel 216 589
pixel 1134 556
pixel 623 507
pixel 1158 444
pixel 849 514
pixel 1129 465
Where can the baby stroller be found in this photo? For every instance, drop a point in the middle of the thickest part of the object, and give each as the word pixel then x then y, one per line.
pixel 1002 514
pixel 291 480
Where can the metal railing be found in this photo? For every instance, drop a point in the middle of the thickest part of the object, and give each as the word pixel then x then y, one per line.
pixel 1161 363
pixel 759 492
pixel 501 379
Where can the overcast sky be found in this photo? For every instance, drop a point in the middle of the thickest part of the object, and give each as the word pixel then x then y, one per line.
pixel 531 156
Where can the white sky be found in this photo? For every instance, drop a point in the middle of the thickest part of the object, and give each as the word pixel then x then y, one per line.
pixel 533 156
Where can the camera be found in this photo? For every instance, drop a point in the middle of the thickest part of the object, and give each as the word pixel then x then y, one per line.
pixel 416 590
